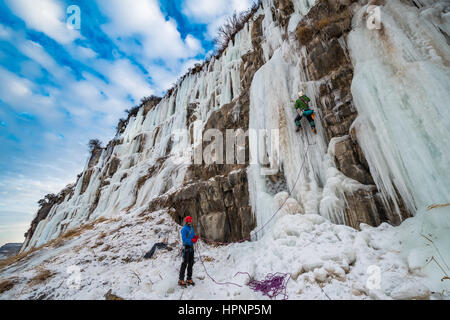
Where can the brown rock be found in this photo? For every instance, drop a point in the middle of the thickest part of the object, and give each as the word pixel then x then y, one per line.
pixel 348 163
pixel 113 166
pixel 362 208
pixel 214 226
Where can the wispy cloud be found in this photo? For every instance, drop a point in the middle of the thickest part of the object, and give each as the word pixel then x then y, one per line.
pixel 213 13
pixel 47 16
pixel 143 29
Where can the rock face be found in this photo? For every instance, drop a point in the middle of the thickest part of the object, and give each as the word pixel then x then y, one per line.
pixel 219 206
pixel 146 167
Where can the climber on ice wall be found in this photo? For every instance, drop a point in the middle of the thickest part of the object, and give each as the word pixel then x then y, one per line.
pixel 189 238
pixel 301 105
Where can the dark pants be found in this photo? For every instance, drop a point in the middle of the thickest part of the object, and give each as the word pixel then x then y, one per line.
pixel 188 260
pixel 310 119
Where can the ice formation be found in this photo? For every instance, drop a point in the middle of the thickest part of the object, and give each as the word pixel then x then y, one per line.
pixel 401 90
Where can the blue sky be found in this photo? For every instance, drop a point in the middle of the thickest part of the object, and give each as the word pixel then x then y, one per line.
pixel 60 87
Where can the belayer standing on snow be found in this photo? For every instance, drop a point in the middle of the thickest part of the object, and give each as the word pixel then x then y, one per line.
pixel 189 238
pixel 304 111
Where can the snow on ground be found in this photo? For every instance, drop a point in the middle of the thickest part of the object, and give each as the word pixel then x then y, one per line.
pixel 326 261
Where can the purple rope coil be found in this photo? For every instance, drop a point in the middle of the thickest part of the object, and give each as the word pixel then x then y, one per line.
pixel 272 286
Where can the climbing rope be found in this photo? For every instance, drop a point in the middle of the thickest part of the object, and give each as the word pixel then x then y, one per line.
pixel 274 284
pixel 209 276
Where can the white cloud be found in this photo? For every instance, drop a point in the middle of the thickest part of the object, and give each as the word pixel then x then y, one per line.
pixel 83 53
pixel 193 44
pixel 205 10
pixel 47 16
pixel 213 13
pixel 82 98
pixel 126 78
pixel 19 93
pixel 96 104
pixel 14 88
pixel 18 88
pixel 144 21
pixel 141 30
pixel 37 53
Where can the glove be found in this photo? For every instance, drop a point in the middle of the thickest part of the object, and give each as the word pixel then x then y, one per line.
pixel 194 239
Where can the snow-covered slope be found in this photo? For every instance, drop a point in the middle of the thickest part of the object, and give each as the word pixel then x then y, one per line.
pixel 381 155
pixel 324 260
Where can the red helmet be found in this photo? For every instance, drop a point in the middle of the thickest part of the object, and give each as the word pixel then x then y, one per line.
pixel 188 219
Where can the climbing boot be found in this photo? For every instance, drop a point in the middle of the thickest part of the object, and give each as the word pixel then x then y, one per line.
pixel 298 129
pixel 314 130
pixel 182 283
pixel 190 283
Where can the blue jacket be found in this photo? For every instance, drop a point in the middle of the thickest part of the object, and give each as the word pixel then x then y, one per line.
pixel 187 233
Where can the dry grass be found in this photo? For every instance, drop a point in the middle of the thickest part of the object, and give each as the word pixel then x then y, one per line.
pixel 444 270
pixel 57 242
pixel 110 296
pixel 42 276
pixel 97 244
pixel 77 249
pixel 208 259
pixel 72 233
pixel 102 235
pixel 434 206
pixel 11 260
pixel 325 22
pixel 102 219
pixel 7 285
pixel 304 34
